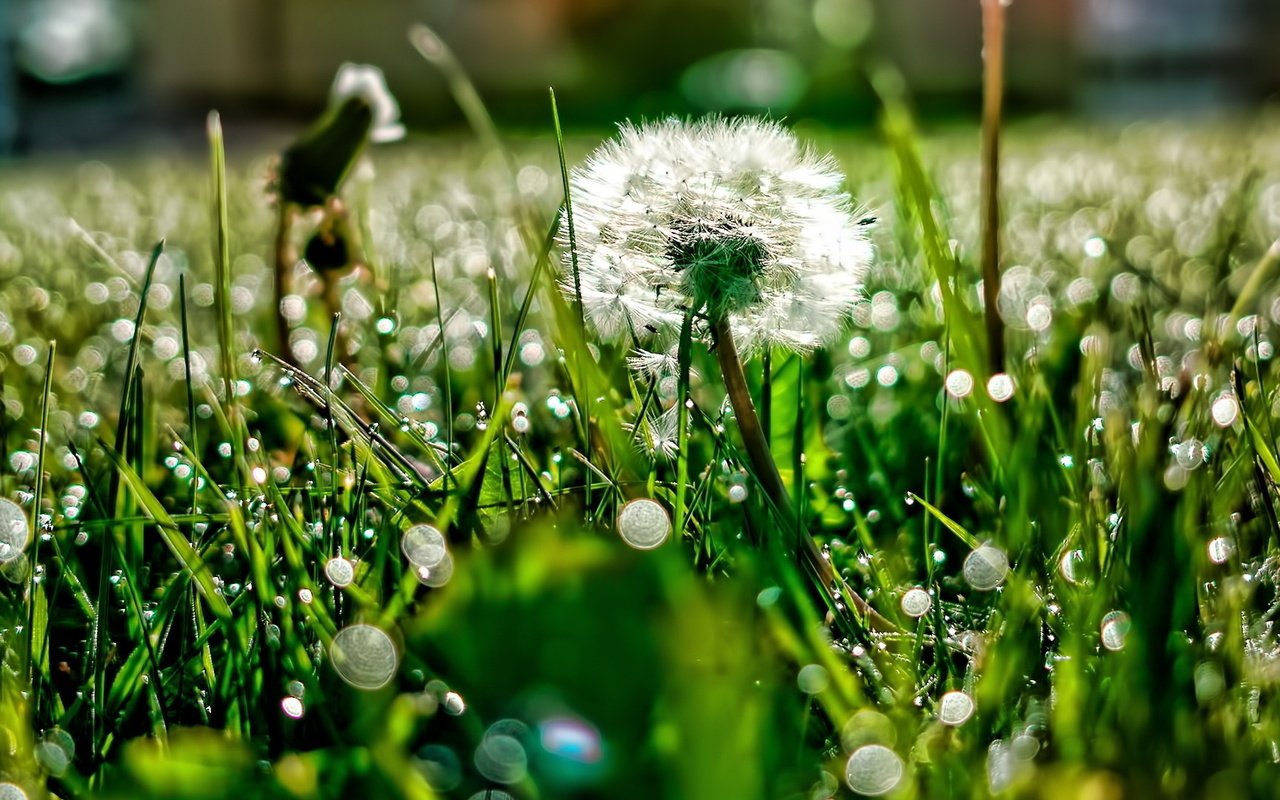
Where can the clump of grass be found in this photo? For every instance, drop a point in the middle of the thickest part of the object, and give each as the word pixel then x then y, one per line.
pixel 1078 553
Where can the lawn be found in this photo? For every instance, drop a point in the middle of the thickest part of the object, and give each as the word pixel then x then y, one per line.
pixel 431 557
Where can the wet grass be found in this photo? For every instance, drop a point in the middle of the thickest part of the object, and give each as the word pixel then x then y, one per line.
pixel 1084 547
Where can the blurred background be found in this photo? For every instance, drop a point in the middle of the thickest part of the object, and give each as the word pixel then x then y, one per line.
pixel 103 73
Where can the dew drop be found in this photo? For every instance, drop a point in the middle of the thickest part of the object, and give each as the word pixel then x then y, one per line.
pixel 364 656
pixel 644 524
pixel 14 531
pixel 873 770
pixel 424 546
pixel 959 383
pixel 1220 549
pixel 439 766
pixel 439 575
pixel 292 707
pixel 52 758
pixel 340 572
pixel 1070 564
pixel 955 708
pixel 1190 454
pixel 1225 410
pixel 11 791
pixel 1000 387
pixel 453 704
pixel 986 568
pixel 501 759
pixel 916 602
pixel 813 679
pixel 1115 629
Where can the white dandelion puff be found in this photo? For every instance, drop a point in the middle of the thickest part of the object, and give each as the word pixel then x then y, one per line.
pixel 735 220
pixel 368 83
pixel 655 364
pixel 658 435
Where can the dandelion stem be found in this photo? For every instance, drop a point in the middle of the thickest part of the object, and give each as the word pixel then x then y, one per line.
pixel 682 423
pixel 992 100
pixel 766 472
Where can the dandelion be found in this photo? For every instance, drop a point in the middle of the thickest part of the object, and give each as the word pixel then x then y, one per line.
pixel 368 83
pixel 310 176
pixel 734 225
pixel 733 220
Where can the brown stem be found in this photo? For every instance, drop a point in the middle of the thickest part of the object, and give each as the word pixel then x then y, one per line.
pixel 766 471
pixel 285 258
pixel 992 101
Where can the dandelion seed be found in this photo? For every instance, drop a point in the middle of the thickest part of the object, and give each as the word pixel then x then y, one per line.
pixel 14 531
pixel 731 218
pixel 368 83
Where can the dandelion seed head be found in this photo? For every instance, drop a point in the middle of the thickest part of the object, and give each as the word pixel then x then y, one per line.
pixel 730 218
pixel 368 83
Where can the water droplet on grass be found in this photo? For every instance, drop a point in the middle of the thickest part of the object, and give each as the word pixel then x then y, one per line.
pixel 440 766
pixel 14 531
pixel 1225 410
pixel 644 524
pixel 453 704
pixel 424 546
pixel 292 707
pixel 1220 549
pixel 340 572
pixel 1070 565
pixel 1000 387
pixel 439 575
pixel 52 758
pixel 959 383
pixel 916 602
pixel 501 759
pixel 955 708
pixel 364 656
pixel 873 770
pixel 867 727
pixel 986 568
pixel 1190 453
pixel 1115 628
pixel 11 791
pixel 813 679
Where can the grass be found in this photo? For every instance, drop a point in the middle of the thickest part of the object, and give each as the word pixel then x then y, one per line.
pixel 170 629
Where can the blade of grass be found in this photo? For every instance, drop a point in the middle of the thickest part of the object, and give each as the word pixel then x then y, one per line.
pixel 583 384
pixel 172 534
